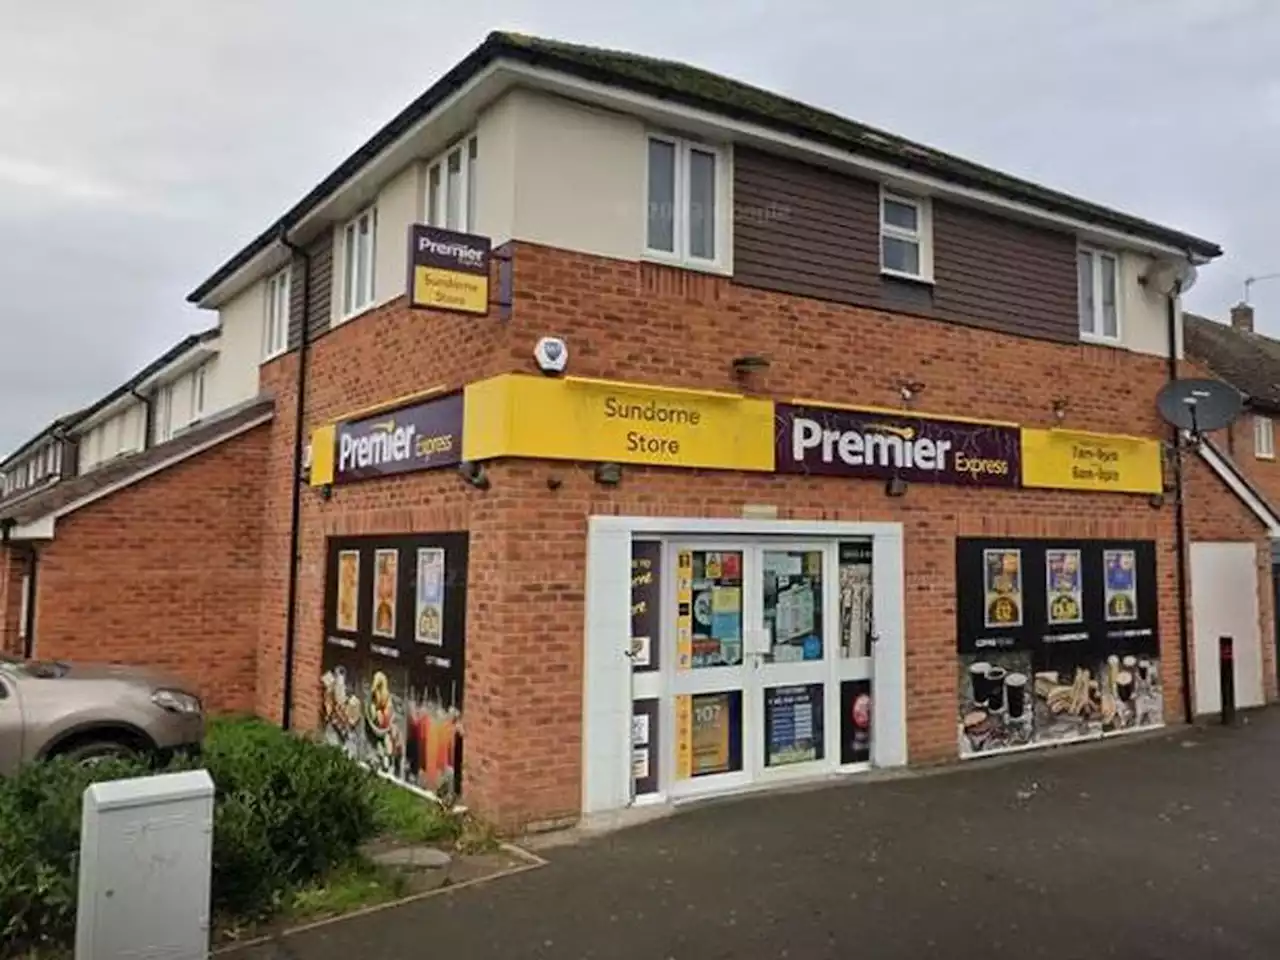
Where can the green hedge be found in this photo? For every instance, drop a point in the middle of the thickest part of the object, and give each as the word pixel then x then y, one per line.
pixel 286 812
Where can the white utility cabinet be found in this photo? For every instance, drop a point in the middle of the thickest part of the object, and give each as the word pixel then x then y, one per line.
pixel 146 860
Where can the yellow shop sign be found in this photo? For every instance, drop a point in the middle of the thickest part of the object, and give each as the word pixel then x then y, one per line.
pixel 1073 460
pixel 578 418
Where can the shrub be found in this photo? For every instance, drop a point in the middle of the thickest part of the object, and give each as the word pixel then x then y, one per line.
pixel 286 812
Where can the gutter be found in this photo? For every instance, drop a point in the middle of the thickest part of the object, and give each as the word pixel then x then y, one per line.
pixel 29 627
pixel 1180 517
pixel 295 490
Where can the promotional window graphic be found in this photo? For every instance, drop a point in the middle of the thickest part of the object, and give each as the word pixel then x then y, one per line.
pixel 855 721
pixel 1081 659
pixel 390 699
pixel 856 599
pixel 708 734
pixel 793 725
pixel 419 436
pixel 644 746
pixel 646 607
pixel 883 444
pixel 448 270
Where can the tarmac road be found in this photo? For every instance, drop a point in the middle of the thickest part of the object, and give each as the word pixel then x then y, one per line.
pixel 1164 848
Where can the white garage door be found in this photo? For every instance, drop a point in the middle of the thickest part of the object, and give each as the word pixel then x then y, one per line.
pixel 1224 602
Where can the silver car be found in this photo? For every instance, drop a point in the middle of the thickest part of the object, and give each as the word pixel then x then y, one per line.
pixel 89 711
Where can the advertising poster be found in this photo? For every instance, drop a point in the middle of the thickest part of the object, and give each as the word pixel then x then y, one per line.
pixel 389 697
pixel 1063 583
pixel 429 606
pixel 1002 587
pixel 348 591
pixel 646 606
pixel 385 569
pixel 1084 658
pixel 684 610
pixel 856 611
pixel 709 734
pixel 714 621
pixel 855 721
pixel 793 605
pixel 644 746
pixel 793 724
pixel 1122 588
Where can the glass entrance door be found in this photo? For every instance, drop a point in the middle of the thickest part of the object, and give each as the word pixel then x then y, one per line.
pixel 755 663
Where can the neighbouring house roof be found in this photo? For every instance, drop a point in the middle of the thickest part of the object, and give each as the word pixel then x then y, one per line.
pixel 697 88
pixel 1238 482
pixel 1248 361
pixel 117 473
pixel 71 420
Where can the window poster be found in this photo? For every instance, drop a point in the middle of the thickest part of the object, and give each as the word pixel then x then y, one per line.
pixel 429 600
pixel 1062 581
pixel 793 724
pixel 385 564
pixel 1002 586
pixel 684 610
pixel 646 607
pixel 709 734
pixel 348 591
pixel 644 746
pixel 1083 659
pixel 391 693
pixel 711 621
pixel 793 604
pixel 855 721
pixel 856 611
pixel 1122 587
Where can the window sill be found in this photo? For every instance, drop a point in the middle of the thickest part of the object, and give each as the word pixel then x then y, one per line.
pixel 1100 341
pixel 1269 457
pixel 274 355
pixel 367 308
pixel 699 266
pixel 907 277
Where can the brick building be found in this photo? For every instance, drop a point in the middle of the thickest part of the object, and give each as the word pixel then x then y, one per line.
pixel 743 444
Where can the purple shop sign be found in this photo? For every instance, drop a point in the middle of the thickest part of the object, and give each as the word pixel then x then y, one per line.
pixel 418 437
pixel 868 443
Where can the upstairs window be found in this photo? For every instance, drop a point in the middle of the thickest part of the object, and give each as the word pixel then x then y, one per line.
pixel 1099 278
pixel 198 377
pixel 275 326
pixel 164 413
pixel 357 262
pixel 906 248
pixel 1264 439
pixel 685 212
pixel 451 188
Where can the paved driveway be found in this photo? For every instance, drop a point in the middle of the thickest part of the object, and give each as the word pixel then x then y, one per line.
pixel 1162 849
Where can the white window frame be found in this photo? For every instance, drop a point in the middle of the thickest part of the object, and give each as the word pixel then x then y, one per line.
pixel 722 238
pixel 922 236
pixel 1094 334
pixel 199 392
pixel 1264 438
pixel 275 320
pixel 435 208
pixel 353 304
pixel 164 413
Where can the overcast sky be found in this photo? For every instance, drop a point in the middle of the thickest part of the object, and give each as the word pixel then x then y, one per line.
pixel 144 141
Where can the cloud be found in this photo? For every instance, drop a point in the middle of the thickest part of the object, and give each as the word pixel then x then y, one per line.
pixel 57 184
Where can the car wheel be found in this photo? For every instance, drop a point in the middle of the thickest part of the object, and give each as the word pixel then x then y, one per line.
pixel 93 752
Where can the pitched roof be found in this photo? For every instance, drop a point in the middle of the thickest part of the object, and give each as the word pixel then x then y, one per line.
pixel 127 469
pixel 694 87
pixel 1248 361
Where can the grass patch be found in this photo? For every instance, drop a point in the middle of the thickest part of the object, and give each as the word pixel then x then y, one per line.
pixel 404 816
pixel 350 888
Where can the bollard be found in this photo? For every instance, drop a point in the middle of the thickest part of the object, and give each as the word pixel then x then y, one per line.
pixel 1227 680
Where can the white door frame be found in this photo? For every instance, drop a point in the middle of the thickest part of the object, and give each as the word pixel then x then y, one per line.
pixel 607 674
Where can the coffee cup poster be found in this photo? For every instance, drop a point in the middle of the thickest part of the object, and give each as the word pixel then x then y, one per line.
pixel 1057 640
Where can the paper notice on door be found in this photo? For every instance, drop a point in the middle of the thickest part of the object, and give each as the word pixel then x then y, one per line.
pixel 795 612
pixel 726 613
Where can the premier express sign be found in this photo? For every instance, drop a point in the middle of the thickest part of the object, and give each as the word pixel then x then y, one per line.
pixel 418 437
pixel 448 270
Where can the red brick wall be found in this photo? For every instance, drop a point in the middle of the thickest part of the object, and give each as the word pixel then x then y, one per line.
pixel 165 573
pixel 13 566
pixel 663 326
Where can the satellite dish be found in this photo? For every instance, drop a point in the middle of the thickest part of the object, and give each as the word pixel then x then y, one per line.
pixel 1200 406
pixel 1170 276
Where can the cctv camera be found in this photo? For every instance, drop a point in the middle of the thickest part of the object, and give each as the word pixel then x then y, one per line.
pixel 552 355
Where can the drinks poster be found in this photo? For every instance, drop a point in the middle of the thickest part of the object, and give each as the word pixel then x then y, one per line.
pixel 391 695
pixel 1082 661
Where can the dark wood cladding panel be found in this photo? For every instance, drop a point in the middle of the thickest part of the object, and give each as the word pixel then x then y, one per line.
pixel 320 250
pixel 1003 275
pixel 811 232
pixel 804 230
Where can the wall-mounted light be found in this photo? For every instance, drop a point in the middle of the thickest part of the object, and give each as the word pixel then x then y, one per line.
pixel 908 390
pixel 326 492
pixel 554 482
pixel 1059 409
pixel 895 487
pixel 749 364
pixel 474 473
pixel 608 474
pixel 1155 501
